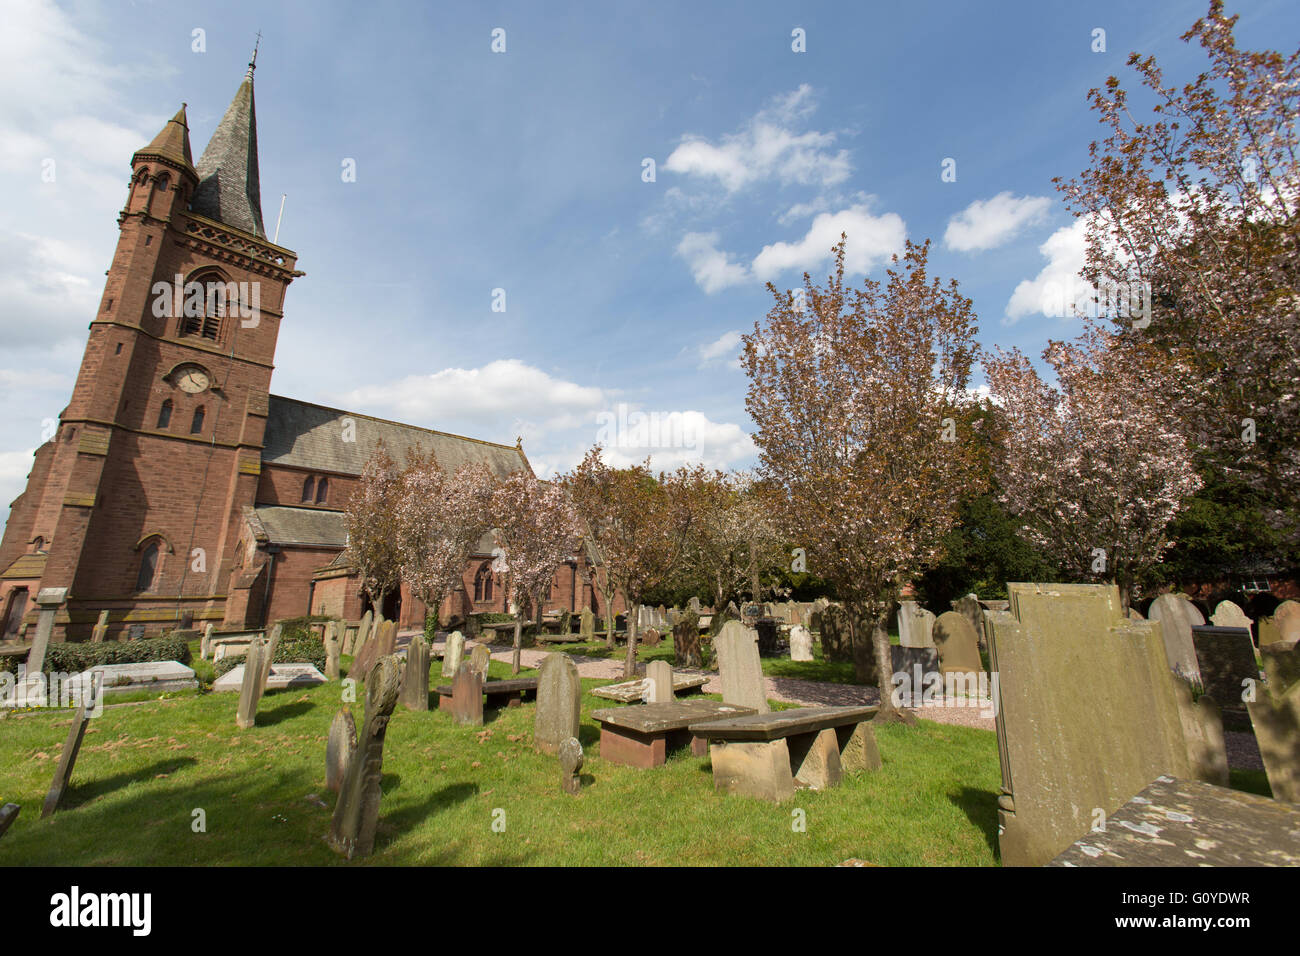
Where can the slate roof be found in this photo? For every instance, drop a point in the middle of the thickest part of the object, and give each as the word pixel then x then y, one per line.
pixel 303 435
pixel 229 190
pixel 313 527
pixel 172 142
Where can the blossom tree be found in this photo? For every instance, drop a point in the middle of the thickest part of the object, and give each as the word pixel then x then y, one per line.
pixel 1095 468
pixel 370 518
pixel 857 395
pixel 440 519
pixel 733 541
pixel 536 532
pixel 1197 203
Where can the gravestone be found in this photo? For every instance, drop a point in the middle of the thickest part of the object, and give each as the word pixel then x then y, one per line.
pixel 659 680
pixel 387 638
pixel 649 637
pixel 768 631
pixel 272 645
pixel 559 702
pixel 152 676
pixel 1135 615
pixel 367 651
pixel 333 649
pixel 415 683
pixel 1177 617
pixel 1225 657
pixel 466 696
pixel 740 668
pixel 452 652
pixel 49 600
pixel 479 659
pixel 356 814
pixel 250 689
pixel 1268 631
pixel 800 643
pixel 1287 618
pixel 957 645
pixel 282 676
pixel 694 605
pixel 587 625
pixel 8 814
pixel 914 669
pixel 915 625
pixel 340 746
pixel 1275 717
pixel 363 632
pixel 1088 714
pixel 1228 614
pixel 970 608
pixel 836 635
pixel 67 760
pixel 686 642
pixel 570 763
pixel 100 630
pixel 205 645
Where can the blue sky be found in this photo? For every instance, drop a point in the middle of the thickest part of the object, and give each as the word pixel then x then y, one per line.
pixel 522 171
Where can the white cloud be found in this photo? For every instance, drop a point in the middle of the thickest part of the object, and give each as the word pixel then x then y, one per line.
pixel 726 346
pixel 872 240
pixel 628 435
pixel 989 223
pixel 711 267
pixel 1059 280
pixel 14 466
pixel 767 147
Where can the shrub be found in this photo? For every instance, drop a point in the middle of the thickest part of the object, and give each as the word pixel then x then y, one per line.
pixel 308 650
pixel 77 657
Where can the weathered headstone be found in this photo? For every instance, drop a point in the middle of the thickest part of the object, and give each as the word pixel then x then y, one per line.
pixel 1275 716
pixel 659 679
pixel 49 600
pixel 570 763
pixel 479 660
pixel 467 696
pixel 356 815
pixel 1225 657
pixel 250 691
pixel 8 814
pixel 1228 614
pixel 587 625
pixel 452 652
pixel 272 645
pixel 1088 715
pixel 415 683
pixel 800 643
pixel 1177 617
pixel 915 625
pixel 340 746
pixel 957 645
pixel 1268 631
pixel 67 760
pixel 1287 618
pixel 914 670
pixel 205 645
pixel 740 668
pixel 650 637
pixel 100 630
pixel 559 702
pixel 387 638
pixel 970 608
pixel 836 635
pixel 686 642
pixel 333 649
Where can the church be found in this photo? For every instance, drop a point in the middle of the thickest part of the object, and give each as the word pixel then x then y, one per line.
pixel 176 487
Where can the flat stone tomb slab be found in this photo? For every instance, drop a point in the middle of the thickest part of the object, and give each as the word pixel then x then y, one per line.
pixel 634 690
pixel 151 676
pixel 498 693
pixel 642 736
pixel 281 677
pixel 769 756
pixel 1175 822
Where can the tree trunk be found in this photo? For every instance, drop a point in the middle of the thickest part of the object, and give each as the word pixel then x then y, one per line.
pixel 519 642
pixel 629 661
pixel 885 670
pixel 609 620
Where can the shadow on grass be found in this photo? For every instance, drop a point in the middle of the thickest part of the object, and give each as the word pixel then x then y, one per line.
pixel 286 711
pixel 981 808
pixel 402 821
pixel 79 795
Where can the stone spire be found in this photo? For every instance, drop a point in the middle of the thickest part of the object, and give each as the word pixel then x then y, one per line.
pixel 228 188
pixel 172 142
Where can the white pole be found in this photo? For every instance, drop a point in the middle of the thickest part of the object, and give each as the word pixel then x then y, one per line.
pixel 279 219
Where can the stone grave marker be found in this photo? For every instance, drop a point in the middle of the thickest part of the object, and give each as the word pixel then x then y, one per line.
pixel 1287 618
pixel 686 642
pixel 333 649
pixel 49 600
pixel 340 746
pixel 1275 717
pixel 911 667
pixel 915 625
pixel 1225 657
pixel 272 646
pixel 282 676
pixel 467 696
pixel 415 683
pixel 650 637
pixel 801 642
pixel 586 625
pixel 836 635
pixel 1228 614
pixel 67 760
pixel 8 814
pixel 570 764
pixel 251 685
pixel 205 645
pixel 1268 631
pixel 659 682
pixel 970 608
pixel 957 645
pixel 356 814
pixel 1089 713
pixel 153 676
pixel 1177 617
pixel 479 660
pixel 452 652
pixel 559 702
pixel 100 630
pixel 740 668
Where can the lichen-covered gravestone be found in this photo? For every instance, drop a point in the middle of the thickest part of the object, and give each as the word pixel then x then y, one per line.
pixel 467 696
pixel 686 642
pixel 1275 716
pixel 1177 617
pixel 1287 618
pixel 356 815
pixel 340 746
pixel 915 625
pixel 333 648
pixel 415 685
pixel 1225 658
pixel 559 702
pixel 452 652
pixel 67 760
pixel 570 763
pixel 272 645
pixel 587 625
pixel 957 645
pixel 49 600
pixel 970 608
pixel 250 690
pixel 836 633
pixel 659 682
pixel 1228 614
pixel 740 668
pixel 801 642
pixel 479 659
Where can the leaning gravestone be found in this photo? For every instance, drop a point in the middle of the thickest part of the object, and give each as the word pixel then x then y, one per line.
pixel 100 630
pixel 340 746
pixel 8 814
pixel 686 642
pixel 659 681
pixel 67 760
pixel 1275 716
pixel 570 763
pixel 741 668
pixel 479 660
pixel 272 645
pixel 1177 617
pixel 250 690
pixel 333 648
pixel 957 645
pixel 800 643
pixel 367 651
pixel 1225 658
pixel 1228 614
pixel 356 815
pixel 452 652
pixel 1088 715
pixel 49 600
pixel 415 683
pixel 559 702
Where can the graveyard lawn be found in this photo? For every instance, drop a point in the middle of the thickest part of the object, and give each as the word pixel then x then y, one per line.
pixel 145 770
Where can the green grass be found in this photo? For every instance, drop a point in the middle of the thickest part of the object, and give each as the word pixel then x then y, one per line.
pixel 145 767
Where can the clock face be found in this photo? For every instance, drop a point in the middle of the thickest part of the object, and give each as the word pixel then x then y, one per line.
pixel 192 379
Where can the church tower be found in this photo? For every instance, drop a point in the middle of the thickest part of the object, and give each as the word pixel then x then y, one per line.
pixel 134 504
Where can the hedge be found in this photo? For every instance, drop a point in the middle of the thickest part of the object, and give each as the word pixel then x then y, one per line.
pixel 301 650
pixel 81 656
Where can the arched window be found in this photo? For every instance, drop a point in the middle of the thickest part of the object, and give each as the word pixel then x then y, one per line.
pixel 483 583
pixel 144 581
pixel 165 414
pixel 164 181
pixel 38 544
pixel 219 299
pixel 308 487
pixel 196 426
pixel 322 489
